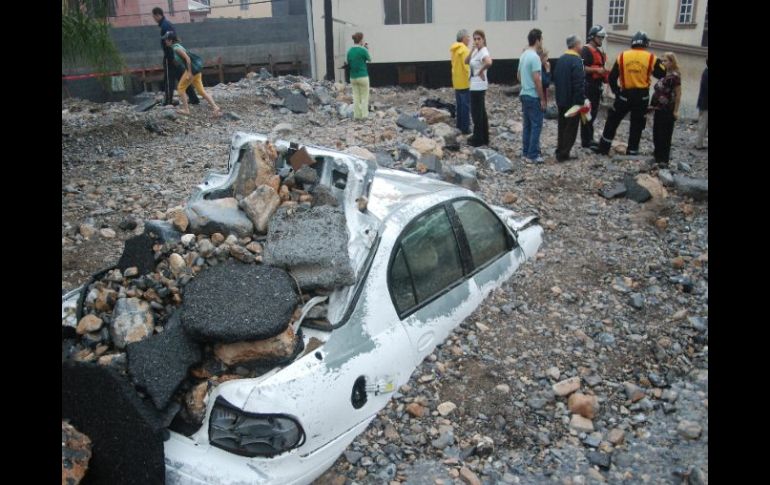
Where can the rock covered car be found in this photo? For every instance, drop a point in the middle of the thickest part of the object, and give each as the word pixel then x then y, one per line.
pixel 425 253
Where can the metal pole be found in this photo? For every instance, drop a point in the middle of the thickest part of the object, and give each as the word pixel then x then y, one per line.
pixel 311 36
pixel 589 15
pixel 329 40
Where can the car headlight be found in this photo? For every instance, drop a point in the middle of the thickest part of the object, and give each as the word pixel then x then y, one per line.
pixel 249 434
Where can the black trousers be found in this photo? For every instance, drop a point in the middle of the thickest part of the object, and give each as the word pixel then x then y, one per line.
pixel 594 95
pixel 632 101
pixel 662 132
pixel 171 76
pixel 567 134
pixel 480 123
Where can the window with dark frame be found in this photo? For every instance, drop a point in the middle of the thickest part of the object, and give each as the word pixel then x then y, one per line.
pixel 617 12
pixel 427 260
pixel 686 13
pixel 510 10
pixel 171 7
pixel 244 4
pixel 408 12
pixel 705 40
pixel 486 235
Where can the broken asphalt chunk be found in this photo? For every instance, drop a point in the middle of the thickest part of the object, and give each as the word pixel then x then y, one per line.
pixel 618 189
pixel 233 302
pixel 311 243
pixel 160 363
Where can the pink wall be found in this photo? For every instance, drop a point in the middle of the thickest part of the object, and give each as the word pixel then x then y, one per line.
pixel 132 13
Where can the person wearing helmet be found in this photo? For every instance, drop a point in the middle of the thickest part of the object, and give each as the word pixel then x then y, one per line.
pixel 596 75
pixel 630 82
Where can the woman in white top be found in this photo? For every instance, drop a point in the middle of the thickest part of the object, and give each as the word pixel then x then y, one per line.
pixel 480 61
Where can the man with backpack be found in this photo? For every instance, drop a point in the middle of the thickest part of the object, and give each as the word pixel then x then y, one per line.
pixel 193 66
pixel 170 73
pixel 596 75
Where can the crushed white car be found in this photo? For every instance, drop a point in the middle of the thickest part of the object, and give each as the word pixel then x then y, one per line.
pixel 425 254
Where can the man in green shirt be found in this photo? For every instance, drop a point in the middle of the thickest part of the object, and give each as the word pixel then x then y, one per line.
pixel 358 56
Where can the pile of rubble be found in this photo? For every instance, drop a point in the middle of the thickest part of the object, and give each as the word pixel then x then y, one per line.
pixel 182 312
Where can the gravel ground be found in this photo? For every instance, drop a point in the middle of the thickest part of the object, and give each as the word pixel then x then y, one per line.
pixel 616 298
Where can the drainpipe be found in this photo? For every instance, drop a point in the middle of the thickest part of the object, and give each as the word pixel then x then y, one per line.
pixel 589 15
pixel 329 40
pixel 311 36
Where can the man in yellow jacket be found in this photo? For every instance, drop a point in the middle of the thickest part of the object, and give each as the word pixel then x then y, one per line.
pixel 633 69
pixel 461 80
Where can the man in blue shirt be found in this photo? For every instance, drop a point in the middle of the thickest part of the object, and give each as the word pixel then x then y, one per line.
pixel 532 97
pixel 171 73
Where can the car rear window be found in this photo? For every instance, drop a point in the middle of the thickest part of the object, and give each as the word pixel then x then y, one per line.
pixel 486 235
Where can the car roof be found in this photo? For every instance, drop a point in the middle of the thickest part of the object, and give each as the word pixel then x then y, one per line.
pixel 392 189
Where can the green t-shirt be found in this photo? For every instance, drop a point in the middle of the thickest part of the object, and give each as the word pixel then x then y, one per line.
pixel 357 57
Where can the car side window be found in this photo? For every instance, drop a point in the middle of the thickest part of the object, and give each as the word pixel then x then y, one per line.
pixel 430 254
pixel 401 283
pixel 486 235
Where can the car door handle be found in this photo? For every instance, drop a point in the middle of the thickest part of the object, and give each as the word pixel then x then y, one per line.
pixel 425 340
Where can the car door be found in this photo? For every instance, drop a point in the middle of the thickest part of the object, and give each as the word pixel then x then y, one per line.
pixel 428 280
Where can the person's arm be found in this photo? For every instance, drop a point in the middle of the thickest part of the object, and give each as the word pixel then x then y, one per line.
pixel 486 64
pixel 578 83
pixel 539 88
pixel 677 99
pixel 186 59
pixel 470 54
pixel 613 81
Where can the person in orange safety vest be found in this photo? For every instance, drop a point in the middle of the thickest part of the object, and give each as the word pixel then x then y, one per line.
pixel 630 82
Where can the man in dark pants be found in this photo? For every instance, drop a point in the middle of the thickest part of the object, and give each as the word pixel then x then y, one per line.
pixel 171 72
pixel 569 79
pixel 633 68
pixel 596 75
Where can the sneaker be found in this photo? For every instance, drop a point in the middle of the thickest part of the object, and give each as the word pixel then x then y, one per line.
pixel 537 161
pixel 597 149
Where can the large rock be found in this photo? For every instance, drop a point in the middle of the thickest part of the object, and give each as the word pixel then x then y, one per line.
pixel 260 205
pixel 75 454
pixel 434 115
pixel 493 160
pixel 653 186
pixel 581 424
pixel 296 103
pixel 617 189
pixel 567 386
pixel 361 152
pixel 411 123
pixel 323 96
pixel 220 215
pixel 584 405
pixel 132 321
pixel 232 302
pixel 426 145
pixel 447 133
pixel 255 169
pixel 698 189
pixel 384 159
pixel 266 351
pixel 312 243
pixel 634 191
pixel 160 363
pixel 465 175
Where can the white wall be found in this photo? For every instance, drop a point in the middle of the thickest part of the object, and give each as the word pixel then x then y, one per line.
pixel 657 18
pixel 430 42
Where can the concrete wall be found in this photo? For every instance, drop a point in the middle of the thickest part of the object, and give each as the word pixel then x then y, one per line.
pixel 692 61
pixel 237 41
pixel 430 42
pixel 139 12
pixel 656 17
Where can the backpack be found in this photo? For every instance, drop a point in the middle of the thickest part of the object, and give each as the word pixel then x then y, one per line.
pixel 196 62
